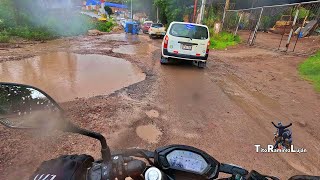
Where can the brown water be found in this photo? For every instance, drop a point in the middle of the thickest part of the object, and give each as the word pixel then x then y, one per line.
pixel 122 37
pixel 141 49
pixel 126 49
pixel 66 76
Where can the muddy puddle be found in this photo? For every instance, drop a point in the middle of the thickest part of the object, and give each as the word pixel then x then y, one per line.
pixel 67 76
pixel 122 37
pixel 126 49
pixel 149 133
pixel 140 49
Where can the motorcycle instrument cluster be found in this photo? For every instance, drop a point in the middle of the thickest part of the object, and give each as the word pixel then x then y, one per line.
pixel 187 159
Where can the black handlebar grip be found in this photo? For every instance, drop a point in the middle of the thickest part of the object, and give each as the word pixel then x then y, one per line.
pixel 135 168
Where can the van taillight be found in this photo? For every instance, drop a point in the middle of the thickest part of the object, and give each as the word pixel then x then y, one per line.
pixel 166 41
pixel 208 46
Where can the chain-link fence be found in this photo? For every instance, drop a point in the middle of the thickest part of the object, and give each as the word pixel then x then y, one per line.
pixel 279 27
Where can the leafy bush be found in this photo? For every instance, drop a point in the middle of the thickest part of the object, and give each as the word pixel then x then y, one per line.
pixel 303 12
pixel 310 70
pixel 20 19
pixel 31 33
pixel 4 37
pixel 223 40
pixel 105 26
pixel 7 18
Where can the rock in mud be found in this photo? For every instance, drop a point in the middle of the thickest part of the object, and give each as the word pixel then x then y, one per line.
pixel 302 123
pixel 95 32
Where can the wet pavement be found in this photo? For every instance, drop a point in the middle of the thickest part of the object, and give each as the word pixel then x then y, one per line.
pixel 67 76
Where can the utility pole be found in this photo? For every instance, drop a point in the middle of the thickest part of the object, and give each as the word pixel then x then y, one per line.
pixel 157 14
pixel 203 5
pixel 131 11
pixel 226 7
pixel 253 3
pixel 195 11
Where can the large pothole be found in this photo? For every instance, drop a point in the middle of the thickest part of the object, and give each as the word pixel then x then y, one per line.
pixel 67 76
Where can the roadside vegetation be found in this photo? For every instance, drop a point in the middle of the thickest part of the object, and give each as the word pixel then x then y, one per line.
pixel 223 40
pixel 26 20
pixel 310 70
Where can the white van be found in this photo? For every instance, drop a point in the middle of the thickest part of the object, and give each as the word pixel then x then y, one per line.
pixel 186 41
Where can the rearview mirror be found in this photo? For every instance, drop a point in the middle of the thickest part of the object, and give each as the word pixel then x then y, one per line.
pixel 26 107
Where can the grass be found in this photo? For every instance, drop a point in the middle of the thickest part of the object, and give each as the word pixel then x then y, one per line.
pixel 310 70
pixel 223 40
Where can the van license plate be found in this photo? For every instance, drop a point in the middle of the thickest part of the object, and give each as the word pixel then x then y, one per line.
pixel 186 47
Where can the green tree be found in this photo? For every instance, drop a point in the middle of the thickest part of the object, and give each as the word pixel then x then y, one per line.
pixel 174 10
pixel 108 10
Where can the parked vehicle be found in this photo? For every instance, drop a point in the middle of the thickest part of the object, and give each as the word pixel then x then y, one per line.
pixel 186 41
pixel 123 22
pixel 171 162
pixel 146 25
pixel 132 27
pixel 157 30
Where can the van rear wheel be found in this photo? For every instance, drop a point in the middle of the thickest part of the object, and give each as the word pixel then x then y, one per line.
pixel 164 60
pixel 200 64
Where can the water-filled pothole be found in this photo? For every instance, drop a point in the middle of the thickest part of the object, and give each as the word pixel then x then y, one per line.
pixel 67 76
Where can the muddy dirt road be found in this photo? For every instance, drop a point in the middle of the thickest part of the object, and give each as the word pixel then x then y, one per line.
pixel 224 109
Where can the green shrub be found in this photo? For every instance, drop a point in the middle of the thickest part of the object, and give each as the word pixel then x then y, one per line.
pixel 223 40
pixel 43 25
pixel 310 70
pixel 32 33
pixel 105 26
pixel 4 37
pixel 7 16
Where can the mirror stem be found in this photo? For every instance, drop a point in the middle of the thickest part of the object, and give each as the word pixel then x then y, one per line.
pixel 105 150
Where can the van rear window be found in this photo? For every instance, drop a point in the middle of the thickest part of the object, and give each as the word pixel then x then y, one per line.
pixel 189 31
pixel 157 25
